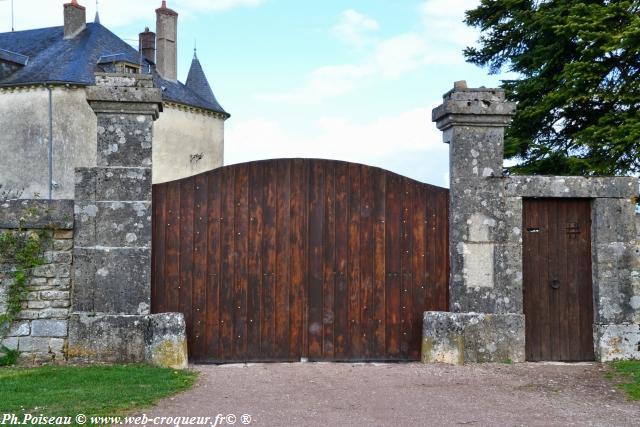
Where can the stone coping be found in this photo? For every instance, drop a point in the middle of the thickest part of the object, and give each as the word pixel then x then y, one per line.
pixel 37 214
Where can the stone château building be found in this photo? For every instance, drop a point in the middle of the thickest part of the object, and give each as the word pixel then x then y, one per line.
pixel 47 128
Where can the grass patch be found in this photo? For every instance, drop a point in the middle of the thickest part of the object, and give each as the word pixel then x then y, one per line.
pixel 628 372
pixel 92 390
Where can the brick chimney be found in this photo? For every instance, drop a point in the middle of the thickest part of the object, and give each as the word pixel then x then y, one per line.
pixel 147 45
pixel 167 49
pixel 75 19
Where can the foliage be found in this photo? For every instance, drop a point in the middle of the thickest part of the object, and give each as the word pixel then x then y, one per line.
pixel 629 372
pixel 22 251
pixel 578 90
pixel 8 356
pixel 94 390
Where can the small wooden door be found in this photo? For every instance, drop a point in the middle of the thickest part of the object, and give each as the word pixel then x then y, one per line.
pixel 558 295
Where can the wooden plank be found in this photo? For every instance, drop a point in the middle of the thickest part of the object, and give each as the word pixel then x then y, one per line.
pixel 562 293
pixel 297 294
pixel 227 278
pixel 406 253
pixel 254 273
pixel 366 260
pixel 379 275
pixel 269 262
pixel 316 264
pixel 328 256
pixel 172 261
pixel 186 256
pixel 341 321
pixel 355 330
pixel 214 263
pixel 417 232
pixel 430 245
pixel 241 265
pixel 199 290
pixel 329 249
pixel 283 258
pixel 393 264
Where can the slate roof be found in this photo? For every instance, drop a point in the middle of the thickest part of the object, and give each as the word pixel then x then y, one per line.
pixel 197 81
pixel 52 59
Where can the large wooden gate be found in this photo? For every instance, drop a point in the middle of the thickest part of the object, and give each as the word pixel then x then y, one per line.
pixel 280 260
pixel 558 295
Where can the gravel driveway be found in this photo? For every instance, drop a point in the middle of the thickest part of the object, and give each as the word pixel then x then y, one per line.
pixel 323 394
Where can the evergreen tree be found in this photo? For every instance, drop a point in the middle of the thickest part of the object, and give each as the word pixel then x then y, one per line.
pixel 578 85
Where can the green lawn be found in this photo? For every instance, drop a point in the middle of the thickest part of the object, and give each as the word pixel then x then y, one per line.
pixel 628 372
pixel 94 390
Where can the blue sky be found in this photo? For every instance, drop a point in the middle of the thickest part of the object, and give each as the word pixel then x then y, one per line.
pixel 348 80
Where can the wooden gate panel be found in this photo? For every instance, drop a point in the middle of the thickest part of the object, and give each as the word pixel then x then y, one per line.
pixel 287 259
pixel 557 279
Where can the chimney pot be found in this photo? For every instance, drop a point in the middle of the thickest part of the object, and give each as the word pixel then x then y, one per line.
pixel 167 42
pixel 147 45
pixel 75 19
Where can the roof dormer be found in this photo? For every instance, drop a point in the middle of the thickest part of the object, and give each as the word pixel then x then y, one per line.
pixel 10 62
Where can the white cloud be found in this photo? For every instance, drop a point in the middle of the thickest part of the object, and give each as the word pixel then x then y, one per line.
pixel 373 142
pixel 443 21
pixel 323 83
pixel 439 40
pixel 353 28
pixel 216 5
pixel 113 13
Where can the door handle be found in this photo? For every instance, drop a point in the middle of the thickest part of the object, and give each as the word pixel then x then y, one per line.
pixel 554 283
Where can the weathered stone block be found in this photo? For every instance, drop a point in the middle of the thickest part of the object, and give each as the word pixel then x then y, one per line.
pixel 617 341
pixel 112 281
pixel 60 283
pixel 54 295
pixel 39 345
pixel 37 214
pixel 46 271
pixel 49 328
pixel 458 338
pixel 111 339
pixel 53 313
pixel 125 139
pixel 63 234
pixel 61 304
pixel 38 305
pixel 166 341
pixel 487 278
pixel 614 270
pixel 113 224
pixel 59 257
pixel 11 343
pixel 27 314
pixel 613 220
pixel 572 186
pixel 112 183
pixel 19 329
pixel 62 245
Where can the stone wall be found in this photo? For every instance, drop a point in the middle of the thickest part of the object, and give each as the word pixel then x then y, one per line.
pixel 110 320
pixel 41 329
pixel 486 242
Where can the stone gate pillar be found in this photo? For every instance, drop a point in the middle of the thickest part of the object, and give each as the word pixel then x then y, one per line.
pixel 111 297
pixel 486 321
